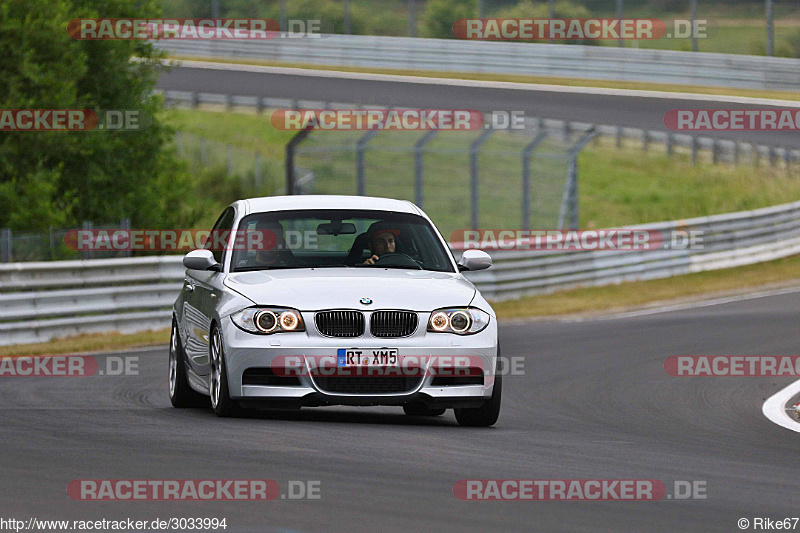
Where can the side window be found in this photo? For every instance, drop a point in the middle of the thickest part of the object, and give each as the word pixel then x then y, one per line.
pixel 219 235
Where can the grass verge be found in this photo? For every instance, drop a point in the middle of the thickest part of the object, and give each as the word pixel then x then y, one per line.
pixel 95 342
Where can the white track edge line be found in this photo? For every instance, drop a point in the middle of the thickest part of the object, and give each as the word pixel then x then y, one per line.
pixel 775 407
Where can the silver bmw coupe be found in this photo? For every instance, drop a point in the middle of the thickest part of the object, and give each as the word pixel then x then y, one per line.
pixel 305 301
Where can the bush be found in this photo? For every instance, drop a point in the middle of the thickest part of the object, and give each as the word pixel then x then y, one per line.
pixel 527 9
pixel 440 15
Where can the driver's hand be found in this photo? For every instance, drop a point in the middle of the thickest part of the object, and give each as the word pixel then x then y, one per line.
pixel 371 260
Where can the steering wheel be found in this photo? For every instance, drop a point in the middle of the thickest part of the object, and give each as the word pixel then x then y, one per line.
pixel 397 258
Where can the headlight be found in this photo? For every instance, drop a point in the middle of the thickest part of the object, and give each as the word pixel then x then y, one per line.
pixel 268 320
pixel 464 321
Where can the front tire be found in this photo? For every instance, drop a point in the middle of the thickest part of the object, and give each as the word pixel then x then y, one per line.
pixel 487 414
pixel 218 380
pixel 180 393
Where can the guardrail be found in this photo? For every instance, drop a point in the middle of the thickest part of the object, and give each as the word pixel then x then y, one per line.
pixel 42 301
pixel 718 150
pixel 556 60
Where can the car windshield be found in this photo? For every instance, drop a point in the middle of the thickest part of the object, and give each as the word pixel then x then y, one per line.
pixel 340 238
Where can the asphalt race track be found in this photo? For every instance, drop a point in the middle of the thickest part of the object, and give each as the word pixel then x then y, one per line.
pixel 628 111
pixel 594 403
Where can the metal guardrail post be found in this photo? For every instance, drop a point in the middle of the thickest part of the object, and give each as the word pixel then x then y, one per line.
pixel 569 202
pixel 5 245
pixel 526 178
pixel 290 149
pixel 694 149
pixel 618 137
pixel 670 144
pixel 473 177
pixel 361 147
pixel 715 151
pixel 645 140
pixel 418 151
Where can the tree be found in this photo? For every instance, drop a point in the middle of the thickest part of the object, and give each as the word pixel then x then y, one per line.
pixel 58 178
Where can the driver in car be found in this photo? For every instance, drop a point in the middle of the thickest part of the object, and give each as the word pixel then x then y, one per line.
pixel 381 242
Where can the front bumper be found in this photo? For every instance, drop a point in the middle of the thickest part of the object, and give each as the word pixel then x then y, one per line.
pixel 245 351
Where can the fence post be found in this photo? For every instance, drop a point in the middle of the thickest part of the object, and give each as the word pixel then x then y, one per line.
pixel 694 149
pixel 618 136
pixel 290 148
pixel 125 225
pixel 87 226
pixel 670 144
pixel 5 249
pixel 645 140
pixel 569 201
pixel 715 151
pixel 52 236
pixel 361 147
pixel 526 178
pixel 257 172
pixel 418 150
pixel 473 173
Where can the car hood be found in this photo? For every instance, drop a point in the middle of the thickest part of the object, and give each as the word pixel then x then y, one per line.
pixel 330 288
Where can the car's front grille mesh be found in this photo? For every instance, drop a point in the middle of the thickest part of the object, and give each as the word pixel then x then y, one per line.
pixel 340 323
pixel 367 384
pixel 393 323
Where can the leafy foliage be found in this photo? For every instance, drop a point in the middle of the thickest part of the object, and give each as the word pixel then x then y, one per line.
pixel 62 178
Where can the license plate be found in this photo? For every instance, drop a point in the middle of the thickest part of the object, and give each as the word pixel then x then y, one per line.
pixel 367 357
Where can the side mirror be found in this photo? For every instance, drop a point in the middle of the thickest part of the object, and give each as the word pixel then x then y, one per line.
pixel 201 260
pixel 474 260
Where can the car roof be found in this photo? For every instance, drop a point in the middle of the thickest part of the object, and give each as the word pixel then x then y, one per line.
pixel 324 201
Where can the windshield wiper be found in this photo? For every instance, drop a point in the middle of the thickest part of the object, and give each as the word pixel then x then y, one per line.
pixel 415 267
pixel 265 267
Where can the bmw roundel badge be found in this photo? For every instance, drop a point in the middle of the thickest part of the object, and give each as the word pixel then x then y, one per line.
pixel 365 301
